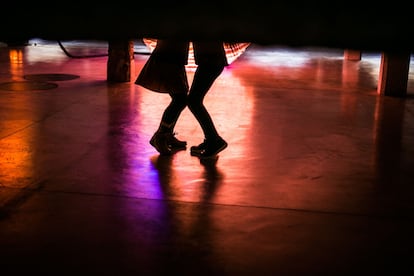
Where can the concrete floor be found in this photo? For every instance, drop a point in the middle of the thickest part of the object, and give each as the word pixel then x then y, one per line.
pixel 318 177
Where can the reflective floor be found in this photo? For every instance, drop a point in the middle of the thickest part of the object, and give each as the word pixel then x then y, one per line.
pixel 318 176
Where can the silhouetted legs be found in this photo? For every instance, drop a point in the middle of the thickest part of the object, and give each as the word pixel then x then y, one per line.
pixel 163 139
pixel 204 78
pixel 172 112
pixel 210 59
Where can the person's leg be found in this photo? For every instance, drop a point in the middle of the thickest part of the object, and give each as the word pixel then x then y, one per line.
pixel 172 112
pixel 169 74
pixel 204 78
pixel 163 139
pixel 174 77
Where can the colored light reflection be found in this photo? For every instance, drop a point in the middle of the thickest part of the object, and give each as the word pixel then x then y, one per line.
pixel 17 160
pixel 16 56
pixel 16 64
pixel 180 177
pixel 16 166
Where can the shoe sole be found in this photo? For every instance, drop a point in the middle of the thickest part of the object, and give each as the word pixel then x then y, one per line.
pixel 178 147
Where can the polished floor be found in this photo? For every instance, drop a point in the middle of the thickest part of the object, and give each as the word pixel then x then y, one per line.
pixel 318 177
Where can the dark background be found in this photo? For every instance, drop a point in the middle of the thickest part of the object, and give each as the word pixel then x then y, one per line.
pixel 347 24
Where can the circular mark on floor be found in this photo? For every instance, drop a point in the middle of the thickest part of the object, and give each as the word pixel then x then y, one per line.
pixel 27 85
pixel 50 77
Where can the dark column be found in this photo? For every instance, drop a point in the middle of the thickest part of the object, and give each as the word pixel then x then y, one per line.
pixel 120 66
pixel 393 76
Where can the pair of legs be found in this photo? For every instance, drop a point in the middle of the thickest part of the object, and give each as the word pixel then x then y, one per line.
pixel 210 59
pixel 204 77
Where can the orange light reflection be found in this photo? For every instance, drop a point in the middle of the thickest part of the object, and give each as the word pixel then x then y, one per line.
pixel 184 177
pixel 16 64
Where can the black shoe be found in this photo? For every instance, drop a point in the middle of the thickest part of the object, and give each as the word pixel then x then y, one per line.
pixel 213 147
pixel 175 143
pixel 159 142
pixel 166 143
pixel 197 150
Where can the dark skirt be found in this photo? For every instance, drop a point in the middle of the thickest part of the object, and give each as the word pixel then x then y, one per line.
pixel 163 77
pixel 209 53
pixel 165 71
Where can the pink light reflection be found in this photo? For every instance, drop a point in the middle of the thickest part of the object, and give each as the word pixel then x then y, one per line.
pixel 182 177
